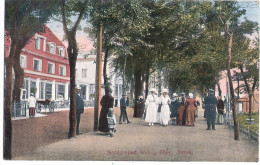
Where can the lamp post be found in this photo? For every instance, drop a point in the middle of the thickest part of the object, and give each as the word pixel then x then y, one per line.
pixel 250 120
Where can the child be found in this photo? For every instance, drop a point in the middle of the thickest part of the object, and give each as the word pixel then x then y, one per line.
pixel 111 119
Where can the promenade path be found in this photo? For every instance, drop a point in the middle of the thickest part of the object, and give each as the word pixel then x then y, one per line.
pixel 135 142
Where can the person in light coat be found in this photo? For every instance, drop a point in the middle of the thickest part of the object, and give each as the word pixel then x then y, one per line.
pixel 32 102
pixel 165 110
pixel 151 110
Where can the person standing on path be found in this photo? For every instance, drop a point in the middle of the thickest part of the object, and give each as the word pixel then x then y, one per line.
pixel 210 107
pixel 106 102
pixel 79 108
pixel 165 109
pixel 220 107
pixel 140 106
pixel 123 105
pixel 181 110
pixel 32 102
pixel 190 110
pixel 175 103
pixel 151 110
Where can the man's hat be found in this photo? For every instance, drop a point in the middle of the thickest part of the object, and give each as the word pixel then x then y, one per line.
pixel 78 87
pixel 211 90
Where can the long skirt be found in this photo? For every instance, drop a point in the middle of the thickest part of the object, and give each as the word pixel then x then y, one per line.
pixel 181 110
pixel 190 116
pixel 103 124
pixel 151 113
pixel 165 114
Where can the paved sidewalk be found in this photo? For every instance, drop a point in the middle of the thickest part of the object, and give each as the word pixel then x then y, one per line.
pixel 137 141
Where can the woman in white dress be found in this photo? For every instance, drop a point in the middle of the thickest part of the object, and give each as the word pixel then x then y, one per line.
pixel 165 111
pixel 151 110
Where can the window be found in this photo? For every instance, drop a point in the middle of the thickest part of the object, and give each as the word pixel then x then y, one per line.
pixel 23 61
pixel 61 91
pixel 84 73
pixel 37 43
pixel 37 65
pixel 51 68
pixel 52 47
pixel 41 91
pixel 62 70
pixel 61 51
pixel 48 91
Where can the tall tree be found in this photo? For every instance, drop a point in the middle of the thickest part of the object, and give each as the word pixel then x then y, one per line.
pixel 72 10
pixel 22 20
pixel 229 14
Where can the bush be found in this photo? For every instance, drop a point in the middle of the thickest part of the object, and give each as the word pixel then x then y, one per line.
pixel 242 120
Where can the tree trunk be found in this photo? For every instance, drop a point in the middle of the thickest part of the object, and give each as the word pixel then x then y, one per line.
pixel 124 77
pixel 159 81
pixel 73 53
pixel 19 77
pixel 98 77
pixel 8 103
pixel 131 95
pixel 219 90
pixel 106 83
pixel 147 75
pixel 138 89
pixel 232 92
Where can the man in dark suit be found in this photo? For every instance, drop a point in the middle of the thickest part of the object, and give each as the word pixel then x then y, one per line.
pixel 123 105
pixel 210 108
pixel 79 108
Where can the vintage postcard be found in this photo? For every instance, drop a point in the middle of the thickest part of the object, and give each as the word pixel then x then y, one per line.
pixel 133 81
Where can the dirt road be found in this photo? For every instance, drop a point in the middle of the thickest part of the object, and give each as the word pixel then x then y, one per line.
pixel 135 141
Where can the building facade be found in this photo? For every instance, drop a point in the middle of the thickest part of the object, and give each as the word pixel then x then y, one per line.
pixel 46 66
pixel 86 74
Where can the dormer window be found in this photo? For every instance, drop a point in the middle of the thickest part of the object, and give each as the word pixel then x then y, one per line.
pixel 61 51
pixel 52 47
pixel 37 42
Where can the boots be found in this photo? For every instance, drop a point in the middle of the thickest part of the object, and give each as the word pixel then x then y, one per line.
pixel 213 127
pixel 208 127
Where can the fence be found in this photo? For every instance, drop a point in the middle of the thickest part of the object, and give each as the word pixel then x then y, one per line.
pixel 66 104
pixel 251 135
pixel 19 108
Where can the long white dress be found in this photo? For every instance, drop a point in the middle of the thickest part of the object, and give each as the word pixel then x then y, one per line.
pixel 151 110
pixel 165 111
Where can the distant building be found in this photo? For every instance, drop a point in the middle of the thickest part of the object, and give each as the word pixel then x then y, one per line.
pixel 86 74
pixel 46 66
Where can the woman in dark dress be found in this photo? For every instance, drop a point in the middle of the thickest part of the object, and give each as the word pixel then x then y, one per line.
pixel 106 102
pixel 181 111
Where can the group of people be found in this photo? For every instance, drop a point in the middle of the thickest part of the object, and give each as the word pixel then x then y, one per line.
pixel 162 109
pixel 156 109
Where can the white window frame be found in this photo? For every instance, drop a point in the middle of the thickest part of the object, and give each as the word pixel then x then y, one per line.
pixel 40 64
pixel 64 70
pixel 53 68
pixel 61 51
pixel 84 74
pixel 52 47
pixel 23 63
pixel 38 40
